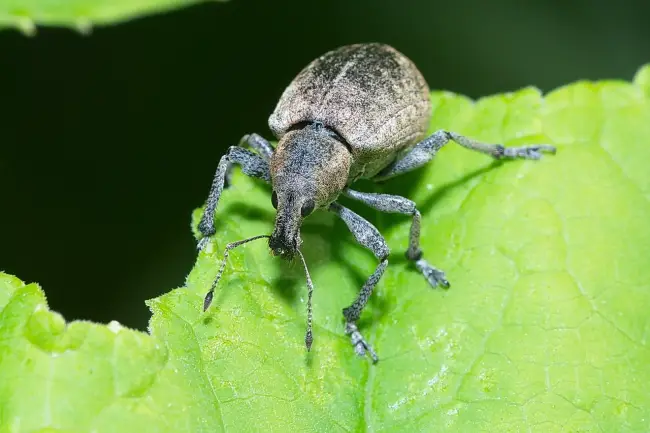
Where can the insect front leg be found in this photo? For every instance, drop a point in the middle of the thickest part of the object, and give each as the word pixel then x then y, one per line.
pixel 368 236
pixel 396 204
pixel 256 142
pixel 425 150
pixel 252 165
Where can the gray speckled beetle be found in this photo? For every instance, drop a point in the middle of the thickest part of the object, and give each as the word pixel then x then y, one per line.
pixel 361 111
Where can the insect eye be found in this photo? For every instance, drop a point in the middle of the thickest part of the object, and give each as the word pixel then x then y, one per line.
pixel 274 199
pixel 307 208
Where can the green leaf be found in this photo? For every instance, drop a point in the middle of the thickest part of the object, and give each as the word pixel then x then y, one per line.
pixel 84 377
pixel 80 14
pixel 545 327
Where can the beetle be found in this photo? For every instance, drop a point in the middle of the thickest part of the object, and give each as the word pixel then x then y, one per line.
pixel 358 112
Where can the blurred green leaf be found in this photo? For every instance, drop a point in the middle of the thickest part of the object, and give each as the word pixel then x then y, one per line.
pixel 82 15
pixel 545 328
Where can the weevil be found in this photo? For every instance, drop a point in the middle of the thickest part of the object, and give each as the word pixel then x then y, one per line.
pixel 358 112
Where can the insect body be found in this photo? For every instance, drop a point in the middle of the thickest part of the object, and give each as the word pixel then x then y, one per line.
pixel 361 111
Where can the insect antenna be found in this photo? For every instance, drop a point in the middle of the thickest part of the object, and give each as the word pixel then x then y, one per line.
pixel 309 338
pixel 208 297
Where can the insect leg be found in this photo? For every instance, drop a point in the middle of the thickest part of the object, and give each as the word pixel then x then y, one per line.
pixel 256 142
pixel 252 165
pixel 368 236
pixel 396 204
pixel 259 144
pixel 425 150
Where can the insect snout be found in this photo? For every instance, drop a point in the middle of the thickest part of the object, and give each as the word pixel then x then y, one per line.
pixel 282 247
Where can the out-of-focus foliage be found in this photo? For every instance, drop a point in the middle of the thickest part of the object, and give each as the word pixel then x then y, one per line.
pixel 82 15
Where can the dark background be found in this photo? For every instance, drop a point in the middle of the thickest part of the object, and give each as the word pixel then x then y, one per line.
pixel 108 142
